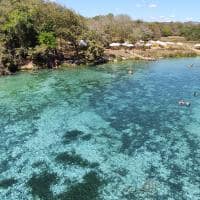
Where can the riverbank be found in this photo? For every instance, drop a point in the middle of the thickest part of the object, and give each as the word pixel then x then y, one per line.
pixel 117 55
pixel 149 54
pixel 135 54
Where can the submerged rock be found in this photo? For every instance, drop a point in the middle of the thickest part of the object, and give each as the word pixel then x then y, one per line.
pixel 7 183
pixel 72 135
pixel 87 190
pixel 41 185
pixel 86 137
pixel 4 166
pixel 74 159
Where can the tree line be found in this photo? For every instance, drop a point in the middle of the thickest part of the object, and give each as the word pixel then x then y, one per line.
pixel 47 34
pixel 123 28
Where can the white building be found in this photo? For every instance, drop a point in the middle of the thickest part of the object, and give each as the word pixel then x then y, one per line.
pixel 115 45
pixel 197 46
pixel 127 45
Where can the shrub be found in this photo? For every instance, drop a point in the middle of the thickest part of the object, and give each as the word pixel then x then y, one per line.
pixel 9 63
pixel 44 57
pixel 94 52
pixel 48 39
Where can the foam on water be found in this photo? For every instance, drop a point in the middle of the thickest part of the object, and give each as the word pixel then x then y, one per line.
pixel 131 139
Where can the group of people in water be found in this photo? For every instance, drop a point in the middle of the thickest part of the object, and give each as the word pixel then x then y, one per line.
pixel 187 103
pixel 181 102
pixel 195 94
pixel 184 103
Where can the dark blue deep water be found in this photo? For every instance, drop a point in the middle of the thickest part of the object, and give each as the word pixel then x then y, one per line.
pixel 101 133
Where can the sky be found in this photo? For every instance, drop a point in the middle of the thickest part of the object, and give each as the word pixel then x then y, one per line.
pixel 148 10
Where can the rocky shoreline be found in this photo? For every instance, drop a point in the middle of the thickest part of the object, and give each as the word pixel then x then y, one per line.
pixel 150 54
pixel 117 55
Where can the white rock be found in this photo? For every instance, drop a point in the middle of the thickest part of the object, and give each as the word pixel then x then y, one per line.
pixel 83 43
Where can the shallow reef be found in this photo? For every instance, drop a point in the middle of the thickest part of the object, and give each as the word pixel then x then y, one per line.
pixel 72 135
pixel 40 185
pixel 74 159
pixel 7 182
pixel 86 190
pixel 101 133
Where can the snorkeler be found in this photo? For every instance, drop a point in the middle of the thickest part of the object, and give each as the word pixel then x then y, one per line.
pixel 130 72
pixel 184 103
pixel 196 94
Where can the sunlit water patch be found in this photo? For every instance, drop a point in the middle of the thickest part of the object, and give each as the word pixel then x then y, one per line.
pixel 102 133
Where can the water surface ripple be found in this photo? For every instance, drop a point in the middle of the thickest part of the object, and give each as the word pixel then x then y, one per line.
pixel 101 133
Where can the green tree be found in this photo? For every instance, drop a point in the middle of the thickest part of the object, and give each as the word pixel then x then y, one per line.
pixel 166 31
pixel 48 39
pixel 19 30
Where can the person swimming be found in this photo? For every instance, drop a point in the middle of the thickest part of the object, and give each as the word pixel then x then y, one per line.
pixel 195 94
pixel 130 72
pixel 184 103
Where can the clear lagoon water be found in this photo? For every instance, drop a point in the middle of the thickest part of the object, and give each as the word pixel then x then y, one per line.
pixel 100 133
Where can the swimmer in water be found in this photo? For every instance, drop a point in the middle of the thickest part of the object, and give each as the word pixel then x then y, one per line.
pixel 184 103
pixel 196 94
pixel 130 72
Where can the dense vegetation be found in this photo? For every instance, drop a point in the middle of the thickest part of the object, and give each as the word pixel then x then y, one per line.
pixel 45 33
pixel 123 28
pixel 48 34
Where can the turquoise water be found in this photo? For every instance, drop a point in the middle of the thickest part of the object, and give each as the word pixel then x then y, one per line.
pixel 100 133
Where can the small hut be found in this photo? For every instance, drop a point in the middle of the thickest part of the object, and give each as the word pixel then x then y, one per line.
pixel 115 45
pixel 127 45
pixel 197 46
